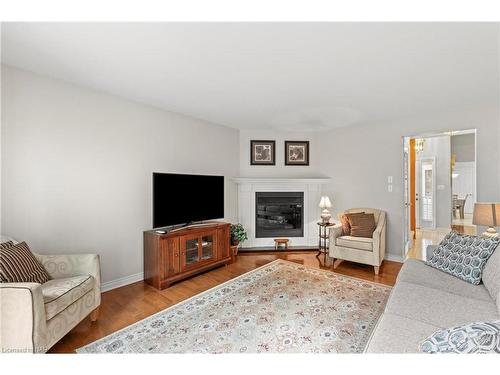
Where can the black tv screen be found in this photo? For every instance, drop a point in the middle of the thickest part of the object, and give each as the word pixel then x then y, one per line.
pixel 185 198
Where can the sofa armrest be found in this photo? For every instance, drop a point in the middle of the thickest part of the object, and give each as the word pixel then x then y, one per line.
pixel 22 318
pixel 68 265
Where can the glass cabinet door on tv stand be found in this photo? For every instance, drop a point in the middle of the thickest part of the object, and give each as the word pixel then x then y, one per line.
pixel 197 249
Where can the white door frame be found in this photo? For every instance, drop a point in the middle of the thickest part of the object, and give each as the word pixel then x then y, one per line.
pixel 407 237
pixel 428 135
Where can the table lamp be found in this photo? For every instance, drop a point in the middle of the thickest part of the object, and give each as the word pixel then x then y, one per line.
pixel 487 214
pixel 325 204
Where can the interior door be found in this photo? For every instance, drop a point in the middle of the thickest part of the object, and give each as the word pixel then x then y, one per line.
pixel 407 237
pixel 426 187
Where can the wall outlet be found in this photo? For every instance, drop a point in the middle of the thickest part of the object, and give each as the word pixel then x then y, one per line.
pixel 389 179
pixel 389 188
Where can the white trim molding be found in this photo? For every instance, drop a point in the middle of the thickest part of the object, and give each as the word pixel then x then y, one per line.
pixel 394 258
pixel 122 281
pixel 254 180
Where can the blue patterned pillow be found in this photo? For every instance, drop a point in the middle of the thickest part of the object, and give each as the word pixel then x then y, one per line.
pixel 463 256
pixel 481 337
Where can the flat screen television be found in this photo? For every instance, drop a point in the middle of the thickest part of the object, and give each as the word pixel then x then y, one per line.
pixel 186 198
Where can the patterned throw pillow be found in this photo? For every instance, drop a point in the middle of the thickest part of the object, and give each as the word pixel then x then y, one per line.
pixel 463 256
pixel 18 264
pixel 5 245
pixel 481 337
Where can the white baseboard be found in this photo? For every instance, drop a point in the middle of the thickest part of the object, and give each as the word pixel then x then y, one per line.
pixel 394 258
pixel 122 281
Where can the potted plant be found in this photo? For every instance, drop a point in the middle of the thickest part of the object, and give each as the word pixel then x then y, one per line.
pixel 238 235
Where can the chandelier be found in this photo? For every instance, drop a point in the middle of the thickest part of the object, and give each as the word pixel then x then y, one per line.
pixel 419 144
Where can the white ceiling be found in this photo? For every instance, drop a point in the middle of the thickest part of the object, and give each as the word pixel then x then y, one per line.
pixel 292 76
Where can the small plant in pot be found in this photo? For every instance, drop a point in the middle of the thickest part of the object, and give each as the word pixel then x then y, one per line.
pixel 238 235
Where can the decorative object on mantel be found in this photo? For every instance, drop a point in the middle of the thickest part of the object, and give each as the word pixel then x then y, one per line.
pixel 262 152
pixel 281 307
pixel 325 204
pixel 487 214
pixel 296 152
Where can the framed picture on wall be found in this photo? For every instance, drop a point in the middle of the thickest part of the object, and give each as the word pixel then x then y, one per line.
pixel 262 152
pixel 296 152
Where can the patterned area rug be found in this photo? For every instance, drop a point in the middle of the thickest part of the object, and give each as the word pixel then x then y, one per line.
pixel 282 307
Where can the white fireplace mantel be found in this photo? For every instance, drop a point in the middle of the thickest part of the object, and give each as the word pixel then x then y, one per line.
pixel 256 180
pixel 312 189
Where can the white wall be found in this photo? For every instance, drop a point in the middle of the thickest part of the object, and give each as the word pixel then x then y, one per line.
pixel 464 147
pixel 364 156
pixel 439 148
pixel 77 167
pixel 280 170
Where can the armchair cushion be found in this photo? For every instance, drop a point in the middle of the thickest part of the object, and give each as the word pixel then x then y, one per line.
pixel 18 264
pixel 345 220
pixel 360 243
pixel 58 294
pixel 346 228
pixel 362 225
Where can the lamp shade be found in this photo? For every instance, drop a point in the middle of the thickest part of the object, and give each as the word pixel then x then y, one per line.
pixel 325 202
pixel 487 214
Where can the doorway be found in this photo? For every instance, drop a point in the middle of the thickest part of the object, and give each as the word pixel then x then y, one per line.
pixel 439 188
pixel 425 193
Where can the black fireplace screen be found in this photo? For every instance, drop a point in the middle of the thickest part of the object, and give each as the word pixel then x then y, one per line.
pixel 279 214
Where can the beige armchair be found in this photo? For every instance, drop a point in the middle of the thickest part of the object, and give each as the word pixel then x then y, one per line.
pixel 34 316
pixel 359 249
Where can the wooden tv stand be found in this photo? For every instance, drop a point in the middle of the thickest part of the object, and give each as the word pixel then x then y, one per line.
pixel 184 252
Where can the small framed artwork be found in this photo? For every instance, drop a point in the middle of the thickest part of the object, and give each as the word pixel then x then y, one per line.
pixel 262 152
pixel 296 152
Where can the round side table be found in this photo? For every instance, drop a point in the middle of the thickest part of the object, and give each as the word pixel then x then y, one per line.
pixel 323 229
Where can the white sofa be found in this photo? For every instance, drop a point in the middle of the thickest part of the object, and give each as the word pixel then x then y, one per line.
pixel 425 300
pixel 359 249
pixel 34 316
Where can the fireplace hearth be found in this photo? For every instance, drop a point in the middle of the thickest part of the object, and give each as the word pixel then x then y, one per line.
pixel 279 214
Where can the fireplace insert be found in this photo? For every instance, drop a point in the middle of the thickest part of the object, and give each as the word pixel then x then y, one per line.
pixel 279 214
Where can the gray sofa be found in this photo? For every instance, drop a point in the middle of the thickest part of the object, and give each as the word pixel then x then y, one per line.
pixel 425 300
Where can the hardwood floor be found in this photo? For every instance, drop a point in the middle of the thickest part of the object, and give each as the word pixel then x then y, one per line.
pixel 126 305
pixel 425 237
